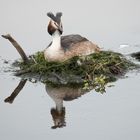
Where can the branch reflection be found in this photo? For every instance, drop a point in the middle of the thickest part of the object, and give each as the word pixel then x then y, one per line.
pixel 16 91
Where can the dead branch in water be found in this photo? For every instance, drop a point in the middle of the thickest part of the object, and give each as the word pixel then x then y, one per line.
pixel 17 46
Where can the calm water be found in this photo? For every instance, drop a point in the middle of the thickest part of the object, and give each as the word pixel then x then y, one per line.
pixel 114 115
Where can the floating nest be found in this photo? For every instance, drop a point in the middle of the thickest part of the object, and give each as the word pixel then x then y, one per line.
pixel 92 71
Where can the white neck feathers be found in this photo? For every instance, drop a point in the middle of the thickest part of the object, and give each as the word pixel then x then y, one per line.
pixel 56 43
pixel 54 50
pixel 59 104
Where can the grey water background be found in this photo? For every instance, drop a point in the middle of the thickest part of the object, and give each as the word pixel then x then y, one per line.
pixel 112 24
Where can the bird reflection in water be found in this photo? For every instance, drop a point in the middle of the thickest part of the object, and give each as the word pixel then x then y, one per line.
pixel 58 94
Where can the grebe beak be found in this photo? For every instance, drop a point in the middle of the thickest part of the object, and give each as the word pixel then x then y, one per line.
pixel 60 30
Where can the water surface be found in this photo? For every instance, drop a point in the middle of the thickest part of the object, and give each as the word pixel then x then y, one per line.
pixel 113 115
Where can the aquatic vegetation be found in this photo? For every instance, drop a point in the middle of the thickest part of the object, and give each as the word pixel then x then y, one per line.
pixel 92 71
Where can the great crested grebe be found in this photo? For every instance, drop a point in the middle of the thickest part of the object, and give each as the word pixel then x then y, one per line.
pixel 64 47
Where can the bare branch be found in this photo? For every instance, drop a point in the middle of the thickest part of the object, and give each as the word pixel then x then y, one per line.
pixel 17 46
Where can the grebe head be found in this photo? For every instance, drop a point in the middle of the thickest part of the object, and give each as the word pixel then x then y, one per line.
pixel 55 23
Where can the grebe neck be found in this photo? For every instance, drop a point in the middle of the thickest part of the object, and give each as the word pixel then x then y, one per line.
pixel 56 42
pixel 59 104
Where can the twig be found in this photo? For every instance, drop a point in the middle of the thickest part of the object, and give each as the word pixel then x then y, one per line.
pixel 17 46
pixel 21 72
